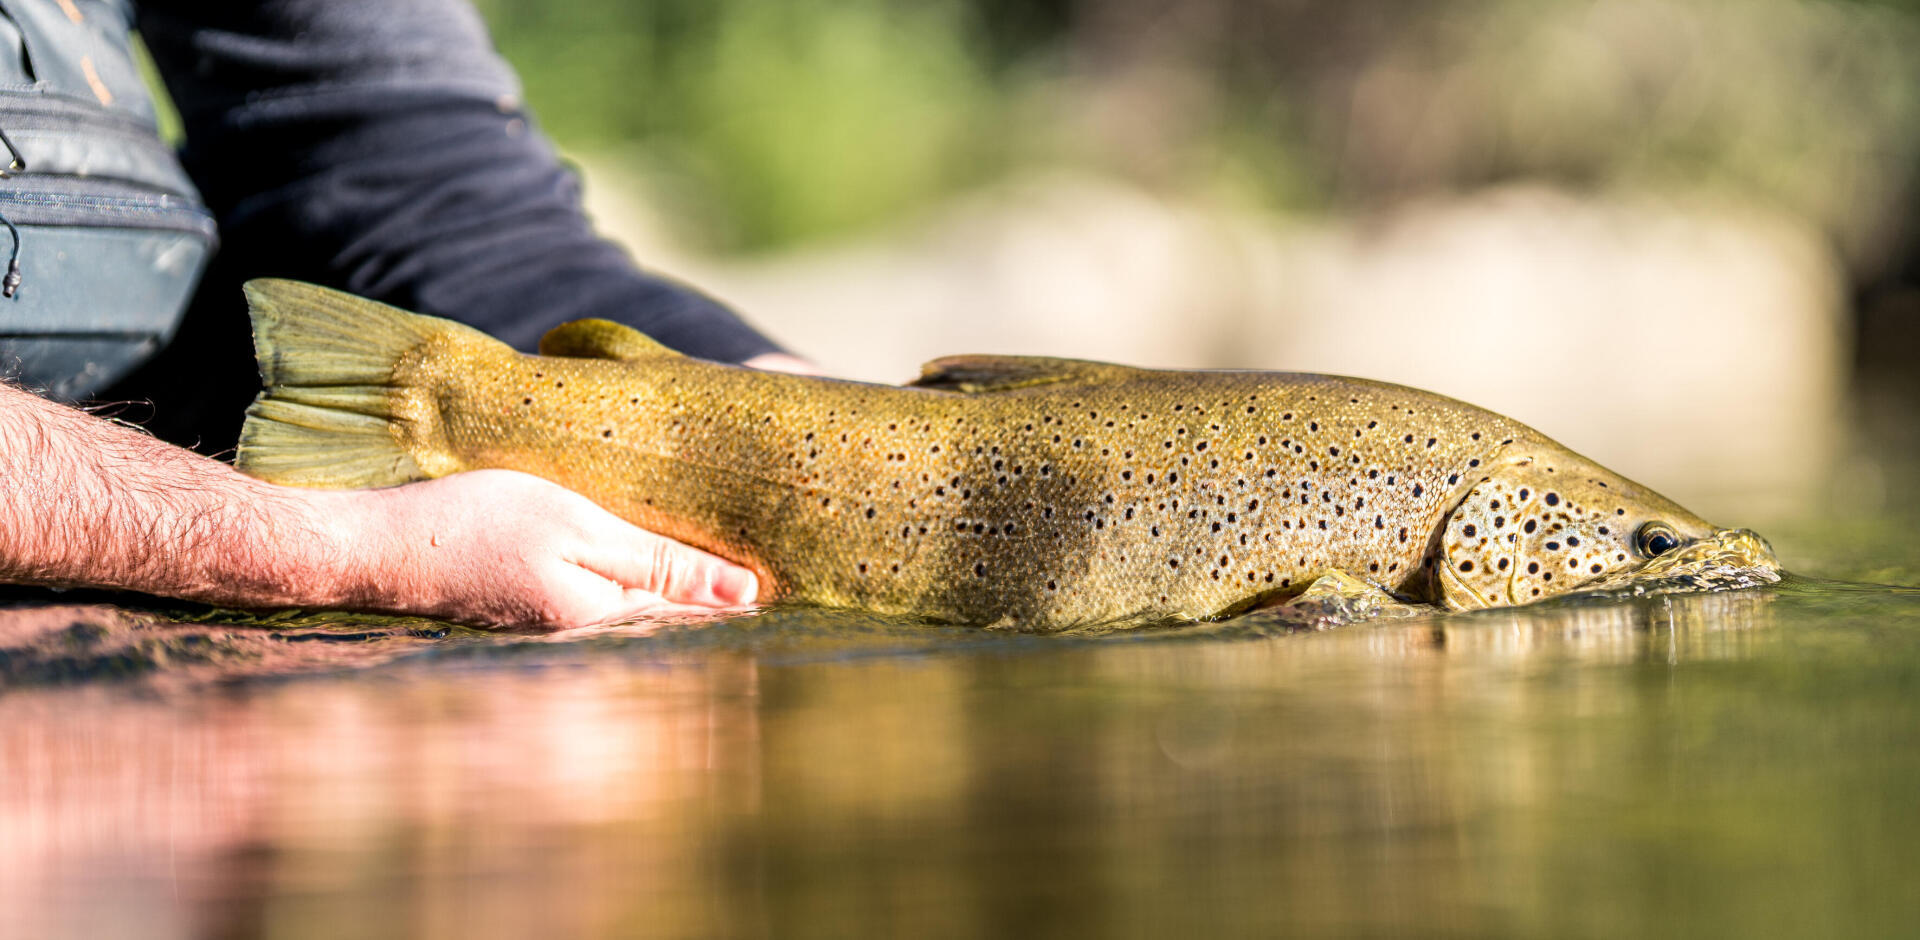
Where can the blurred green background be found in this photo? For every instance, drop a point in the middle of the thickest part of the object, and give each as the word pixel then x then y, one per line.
pixel 772 123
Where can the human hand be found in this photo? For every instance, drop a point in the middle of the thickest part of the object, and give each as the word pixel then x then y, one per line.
pixel 504 549
pixel 783 362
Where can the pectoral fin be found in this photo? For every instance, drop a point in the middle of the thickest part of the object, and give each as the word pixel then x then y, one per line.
pixel 600 339
pixel 1334 599
pixel 981 374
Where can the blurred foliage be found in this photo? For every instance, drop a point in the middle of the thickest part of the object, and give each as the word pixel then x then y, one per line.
pixel 782 121
pixel 769 123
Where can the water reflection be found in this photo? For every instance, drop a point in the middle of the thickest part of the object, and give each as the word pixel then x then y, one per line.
pixel 1736 761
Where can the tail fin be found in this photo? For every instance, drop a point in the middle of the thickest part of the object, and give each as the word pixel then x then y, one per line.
pixel 327 361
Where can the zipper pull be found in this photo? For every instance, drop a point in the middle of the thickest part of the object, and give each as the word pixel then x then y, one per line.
pixel 10 284
pixel 17 163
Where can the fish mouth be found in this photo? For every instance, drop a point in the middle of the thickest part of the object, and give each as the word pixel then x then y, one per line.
pixel 1729 559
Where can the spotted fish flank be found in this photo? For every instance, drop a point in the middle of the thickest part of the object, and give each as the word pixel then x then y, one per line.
pixel 1039 493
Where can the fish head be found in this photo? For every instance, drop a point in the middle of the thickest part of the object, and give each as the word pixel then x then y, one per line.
pixel 1548 522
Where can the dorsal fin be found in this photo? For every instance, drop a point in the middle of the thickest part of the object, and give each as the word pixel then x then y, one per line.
pixel 980 374
pixel 600 339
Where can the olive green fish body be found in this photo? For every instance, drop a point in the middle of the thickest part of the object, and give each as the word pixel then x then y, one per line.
pixel 1036 493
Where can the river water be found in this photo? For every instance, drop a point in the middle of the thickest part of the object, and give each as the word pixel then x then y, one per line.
pixel 1742 763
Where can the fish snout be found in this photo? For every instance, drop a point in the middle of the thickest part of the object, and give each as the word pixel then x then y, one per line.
pixel 1725 548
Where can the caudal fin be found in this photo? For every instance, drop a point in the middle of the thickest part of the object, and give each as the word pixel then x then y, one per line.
pixel 325 418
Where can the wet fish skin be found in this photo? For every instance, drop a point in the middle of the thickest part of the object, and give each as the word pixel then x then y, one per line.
pixel 996 491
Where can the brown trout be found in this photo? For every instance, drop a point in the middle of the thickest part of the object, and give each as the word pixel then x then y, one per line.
pixel 1031 493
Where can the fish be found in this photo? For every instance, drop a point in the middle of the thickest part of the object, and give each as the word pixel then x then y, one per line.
pixel 1011 492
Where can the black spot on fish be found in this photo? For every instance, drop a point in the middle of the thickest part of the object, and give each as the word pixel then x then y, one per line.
pixel 1553 499
pixel 1470 531
pixel 1531 525
pixel 1466 566
pixel 1533 567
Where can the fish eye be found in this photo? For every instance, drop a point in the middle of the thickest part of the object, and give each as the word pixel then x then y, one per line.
pixel 1655 539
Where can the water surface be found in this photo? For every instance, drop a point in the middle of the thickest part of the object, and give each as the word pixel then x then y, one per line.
pixel 1740 763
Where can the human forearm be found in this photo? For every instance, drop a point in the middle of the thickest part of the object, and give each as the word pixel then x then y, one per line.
pixel 89 502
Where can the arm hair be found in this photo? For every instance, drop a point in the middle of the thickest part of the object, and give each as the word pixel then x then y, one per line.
pixel 89 502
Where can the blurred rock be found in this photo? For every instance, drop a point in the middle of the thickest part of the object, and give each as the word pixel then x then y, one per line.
pixel 1696 346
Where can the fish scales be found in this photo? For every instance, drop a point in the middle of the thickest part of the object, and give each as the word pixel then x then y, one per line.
pixel 998 490
pixel 1157 495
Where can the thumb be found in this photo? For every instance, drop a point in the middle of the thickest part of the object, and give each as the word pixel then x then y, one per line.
pixel 678 573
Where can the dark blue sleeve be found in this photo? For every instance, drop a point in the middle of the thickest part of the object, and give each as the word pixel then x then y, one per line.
pixel 380 146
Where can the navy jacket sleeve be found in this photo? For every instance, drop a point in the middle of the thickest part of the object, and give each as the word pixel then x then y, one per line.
pixel 380 146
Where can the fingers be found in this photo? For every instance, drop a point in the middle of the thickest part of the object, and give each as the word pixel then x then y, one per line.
pixel 783 362
pixel 586 599
pixel 675 573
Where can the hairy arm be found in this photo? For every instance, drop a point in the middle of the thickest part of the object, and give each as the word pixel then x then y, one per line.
pixel 92 503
